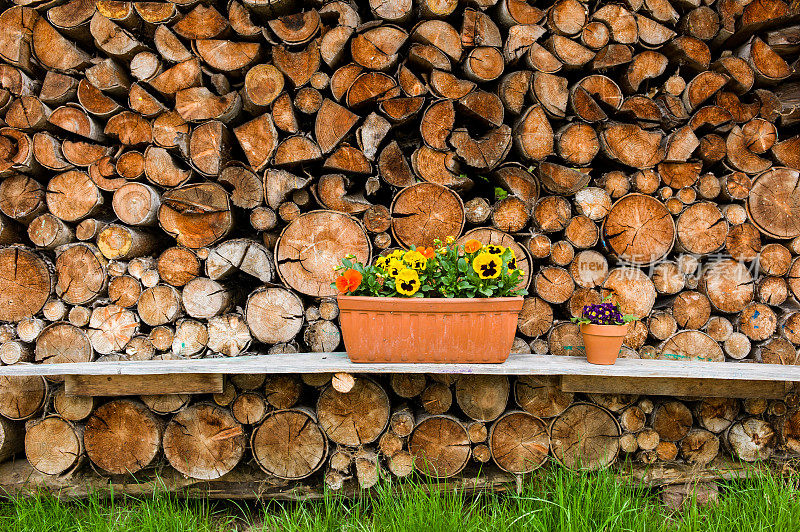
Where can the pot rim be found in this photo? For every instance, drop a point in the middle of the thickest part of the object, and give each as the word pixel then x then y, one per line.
pixel 605 327
pixel 421 300
pixel 434 305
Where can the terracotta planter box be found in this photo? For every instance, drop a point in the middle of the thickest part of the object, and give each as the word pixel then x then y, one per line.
pixel 383 329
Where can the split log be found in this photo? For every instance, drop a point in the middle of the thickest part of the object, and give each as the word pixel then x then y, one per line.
pixel 239 256
pixel 651 236
pixel 196 215
pixel 440 446
pixel 354 418
pixel 203 441
pixel 53 445
pixel 519 442
pixel 588 444
pixel 751 439
pixel 482 397
pixel 122 436
pixel 631 145
pixel 672 421
pixel 305 259
pixel 306 454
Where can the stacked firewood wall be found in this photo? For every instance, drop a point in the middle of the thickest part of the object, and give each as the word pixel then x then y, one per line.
pixel 346 429
pixel 179 179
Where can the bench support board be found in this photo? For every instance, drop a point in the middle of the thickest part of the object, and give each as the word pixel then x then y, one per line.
pixel 164 384
pixel 681 386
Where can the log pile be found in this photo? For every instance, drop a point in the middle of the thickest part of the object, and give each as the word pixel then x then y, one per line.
pixel 296 427
pixel 179 179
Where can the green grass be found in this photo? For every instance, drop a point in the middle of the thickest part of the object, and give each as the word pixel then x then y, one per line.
pixel 554 501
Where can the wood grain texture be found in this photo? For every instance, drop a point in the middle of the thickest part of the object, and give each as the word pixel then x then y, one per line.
pixel 517 364
pixel 163 384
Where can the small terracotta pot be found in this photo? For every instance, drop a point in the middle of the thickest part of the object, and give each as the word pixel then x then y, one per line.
pixel 603 342
pixel 457 330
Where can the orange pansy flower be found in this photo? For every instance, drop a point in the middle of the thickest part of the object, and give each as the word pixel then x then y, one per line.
pixel 428 252
pixel 349 281
pixel 472 246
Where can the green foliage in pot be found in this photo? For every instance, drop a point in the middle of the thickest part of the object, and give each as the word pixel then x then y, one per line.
pixel 446 270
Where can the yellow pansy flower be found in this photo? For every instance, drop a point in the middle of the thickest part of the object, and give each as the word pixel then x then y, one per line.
pixel 394 267
pixel 487 265
pixel 512 262
pixel 415 260
pixel 494 250
pixel 407 282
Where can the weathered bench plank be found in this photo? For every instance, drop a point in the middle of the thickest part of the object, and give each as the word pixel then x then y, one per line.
pixel 519 364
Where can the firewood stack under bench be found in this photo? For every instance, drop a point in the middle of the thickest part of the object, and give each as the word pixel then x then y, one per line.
pixel 178 180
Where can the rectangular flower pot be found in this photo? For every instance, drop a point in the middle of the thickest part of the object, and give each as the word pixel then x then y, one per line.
pixel 393 330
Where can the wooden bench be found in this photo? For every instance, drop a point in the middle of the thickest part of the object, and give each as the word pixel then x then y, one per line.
pixel 630 376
